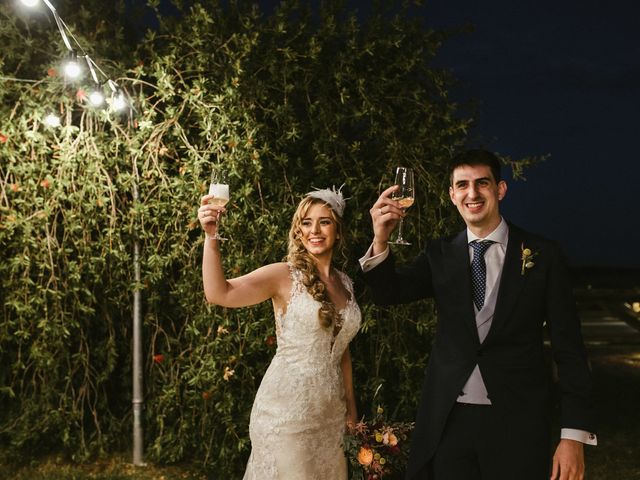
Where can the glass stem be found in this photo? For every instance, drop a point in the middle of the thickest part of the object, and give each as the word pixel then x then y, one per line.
pixel 400 229
pixel 218 224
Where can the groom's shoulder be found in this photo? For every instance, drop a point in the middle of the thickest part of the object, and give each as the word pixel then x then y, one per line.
pixel 532 239
pixel 515 230
pixel 452 238
pixel 444 242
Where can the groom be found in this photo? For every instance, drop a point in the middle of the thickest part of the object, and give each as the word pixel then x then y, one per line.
pixel 486 398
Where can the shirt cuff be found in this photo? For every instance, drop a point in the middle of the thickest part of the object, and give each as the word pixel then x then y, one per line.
pixel 367 262
pixel 579 436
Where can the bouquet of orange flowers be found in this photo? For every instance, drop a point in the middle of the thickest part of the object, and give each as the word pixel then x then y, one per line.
pixel 377 449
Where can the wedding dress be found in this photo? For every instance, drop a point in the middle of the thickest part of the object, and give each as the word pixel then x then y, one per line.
pixel 298 416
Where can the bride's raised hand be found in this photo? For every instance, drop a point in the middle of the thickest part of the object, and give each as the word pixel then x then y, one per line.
pixel 208 214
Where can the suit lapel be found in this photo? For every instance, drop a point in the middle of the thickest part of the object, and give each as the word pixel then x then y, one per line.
pixel 458 263
pixel 511 281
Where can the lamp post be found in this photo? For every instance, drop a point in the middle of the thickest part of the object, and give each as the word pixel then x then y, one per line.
pixel 137 400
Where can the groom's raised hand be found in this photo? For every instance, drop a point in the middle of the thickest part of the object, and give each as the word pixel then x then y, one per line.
pixel 385 215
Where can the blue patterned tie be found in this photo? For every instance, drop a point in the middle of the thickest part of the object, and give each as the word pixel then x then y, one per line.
pixel 479 271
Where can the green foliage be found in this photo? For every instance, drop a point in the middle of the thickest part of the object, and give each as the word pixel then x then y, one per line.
pixel 296 99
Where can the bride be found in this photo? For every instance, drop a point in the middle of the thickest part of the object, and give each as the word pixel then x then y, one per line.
pixel 306 397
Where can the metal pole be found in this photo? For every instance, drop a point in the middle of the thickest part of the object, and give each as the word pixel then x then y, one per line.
pixel 137 354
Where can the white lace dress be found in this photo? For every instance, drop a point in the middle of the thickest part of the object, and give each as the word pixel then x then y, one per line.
pixel 298 416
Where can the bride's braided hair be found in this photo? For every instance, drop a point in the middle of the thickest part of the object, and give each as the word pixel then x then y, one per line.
pixel 303 261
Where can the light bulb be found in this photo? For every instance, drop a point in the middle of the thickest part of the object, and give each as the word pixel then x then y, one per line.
pixel 118 102
pixel 30 3
pixel 71 66
pixel 72 69
pixel 52 120
pixel 96 98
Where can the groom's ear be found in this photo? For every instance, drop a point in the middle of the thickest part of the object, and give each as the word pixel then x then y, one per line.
pixel 451 195
pixel 502 189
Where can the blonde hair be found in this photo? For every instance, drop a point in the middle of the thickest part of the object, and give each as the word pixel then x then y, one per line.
pixel 303 261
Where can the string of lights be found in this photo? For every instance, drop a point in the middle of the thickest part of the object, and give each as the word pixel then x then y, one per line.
pixel 76 61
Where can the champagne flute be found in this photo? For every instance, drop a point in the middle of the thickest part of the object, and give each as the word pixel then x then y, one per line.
pixel 405 196
pixel 219 188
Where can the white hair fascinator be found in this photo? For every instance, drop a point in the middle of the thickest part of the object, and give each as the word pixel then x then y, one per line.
pixel 332 197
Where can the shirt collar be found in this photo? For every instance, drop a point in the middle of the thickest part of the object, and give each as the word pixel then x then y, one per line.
pixel 499 235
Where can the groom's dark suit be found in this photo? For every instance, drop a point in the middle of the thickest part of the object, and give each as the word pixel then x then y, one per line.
pixel 511 358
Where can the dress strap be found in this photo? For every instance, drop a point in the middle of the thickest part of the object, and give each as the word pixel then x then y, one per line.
pixel 296 279
pixel 346 281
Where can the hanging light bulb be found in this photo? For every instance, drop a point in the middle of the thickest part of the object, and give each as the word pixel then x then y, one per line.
pixel 52 120
pixel 118 101
pixel 96 98
pixel 30 3
pixel 72 67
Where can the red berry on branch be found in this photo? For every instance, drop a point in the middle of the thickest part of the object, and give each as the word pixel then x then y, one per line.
pixel 159 358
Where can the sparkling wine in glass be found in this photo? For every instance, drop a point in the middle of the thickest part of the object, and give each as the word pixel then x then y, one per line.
pixel 405 196
pixel 219 188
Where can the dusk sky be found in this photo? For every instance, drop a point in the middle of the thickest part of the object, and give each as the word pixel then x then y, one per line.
pixel 559 78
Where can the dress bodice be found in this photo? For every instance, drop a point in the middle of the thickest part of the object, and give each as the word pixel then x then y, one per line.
pixel 300 335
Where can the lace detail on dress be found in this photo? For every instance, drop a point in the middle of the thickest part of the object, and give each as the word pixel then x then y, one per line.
pixel 298 416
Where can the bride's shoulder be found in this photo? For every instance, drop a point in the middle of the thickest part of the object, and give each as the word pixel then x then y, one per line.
pixel 280 270
pixel 278 275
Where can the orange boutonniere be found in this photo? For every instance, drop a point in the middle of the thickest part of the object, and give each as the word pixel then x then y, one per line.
pixel 527 258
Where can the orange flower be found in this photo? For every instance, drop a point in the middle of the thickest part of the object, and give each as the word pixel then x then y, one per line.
pixel 158 358
pixel 45 183
pixel 365 456
pixel 15 187
pixel 3 138
pixel 389 439
pixel 271 340
pixel 206 395
pixel 52 72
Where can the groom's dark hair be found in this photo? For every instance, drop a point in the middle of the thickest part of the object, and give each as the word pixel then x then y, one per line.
pixel 474 158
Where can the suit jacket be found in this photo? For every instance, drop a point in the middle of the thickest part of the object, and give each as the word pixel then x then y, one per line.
pixel 511 358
